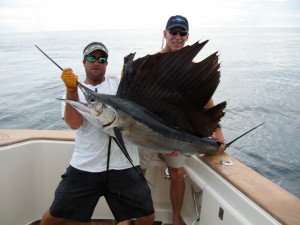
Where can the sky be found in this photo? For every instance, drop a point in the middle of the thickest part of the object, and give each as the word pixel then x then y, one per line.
pixel 56 15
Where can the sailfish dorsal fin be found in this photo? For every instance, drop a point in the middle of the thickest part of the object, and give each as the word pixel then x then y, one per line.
pixel 175 88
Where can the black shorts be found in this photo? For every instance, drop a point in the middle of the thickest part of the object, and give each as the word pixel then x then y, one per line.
pixel 126 192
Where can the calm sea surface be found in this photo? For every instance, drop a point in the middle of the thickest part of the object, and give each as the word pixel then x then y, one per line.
pixel 260 80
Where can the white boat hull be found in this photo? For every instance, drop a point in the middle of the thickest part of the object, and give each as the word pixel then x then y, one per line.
pixel 31 165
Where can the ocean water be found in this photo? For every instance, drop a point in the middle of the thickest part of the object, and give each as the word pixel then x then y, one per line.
pixel 260 80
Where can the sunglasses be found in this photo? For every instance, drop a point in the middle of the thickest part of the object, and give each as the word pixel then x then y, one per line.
pixel 182 33
pixel 92 59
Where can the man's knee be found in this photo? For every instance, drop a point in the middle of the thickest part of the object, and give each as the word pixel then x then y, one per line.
pixel 145 220
pixel 126 222
pixel 48 219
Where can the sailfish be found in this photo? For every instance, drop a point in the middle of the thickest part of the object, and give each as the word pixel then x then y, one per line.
pixel 160 102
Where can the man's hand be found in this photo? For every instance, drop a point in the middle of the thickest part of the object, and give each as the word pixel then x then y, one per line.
pixel 70 79
pixel 176 153
pixel 218 135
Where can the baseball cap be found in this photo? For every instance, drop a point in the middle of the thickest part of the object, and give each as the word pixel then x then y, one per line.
pixel 93 47
pixel 177 21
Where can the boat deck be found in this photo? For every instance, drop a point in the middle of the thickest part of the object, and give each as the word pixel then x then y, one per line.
pixel 92 222
pixel 95 222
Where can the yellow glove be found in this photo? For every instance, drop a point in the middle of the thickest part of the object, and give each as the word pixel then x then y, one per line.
pixel 70 79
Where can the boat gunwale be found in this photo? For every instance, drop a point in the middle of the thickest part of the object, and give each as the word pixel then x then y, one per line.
pixel 277 202
pixel 11 136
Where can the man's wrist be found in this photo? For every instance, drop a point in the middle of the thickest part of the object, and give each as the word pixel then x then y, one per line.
pixel 71 89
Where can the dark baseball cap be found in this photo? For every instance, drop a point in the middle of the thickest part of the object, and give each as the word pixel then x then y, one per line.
pixel 93 47
pixel 177 21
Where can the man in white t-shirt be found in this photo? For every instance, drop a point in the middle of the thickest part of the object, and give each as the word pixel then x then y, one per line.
pixel 89 175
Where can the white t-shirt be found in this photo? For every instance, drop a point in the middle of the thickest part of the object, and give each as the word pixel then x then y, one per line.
pixel 91 148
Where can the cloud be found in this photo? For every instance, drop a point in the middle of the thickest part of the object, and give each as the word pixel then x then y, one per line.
pixel 36 15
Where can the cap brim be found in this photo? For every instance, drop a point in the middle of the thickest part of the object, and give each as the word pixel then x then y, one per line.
pixel 95 48
pixel 177 25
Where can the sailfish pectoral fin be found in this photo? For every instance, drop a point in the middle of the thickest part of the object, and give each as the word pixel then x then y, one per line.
pixel 120 142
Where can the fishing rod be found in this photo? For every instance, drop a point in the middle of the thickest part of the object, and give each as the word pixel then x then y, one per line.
pixel 48 57
pixel 228 144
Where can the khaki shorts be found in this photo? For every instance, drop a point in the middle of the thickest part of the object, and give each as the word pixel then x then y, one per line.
pixel 172 161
